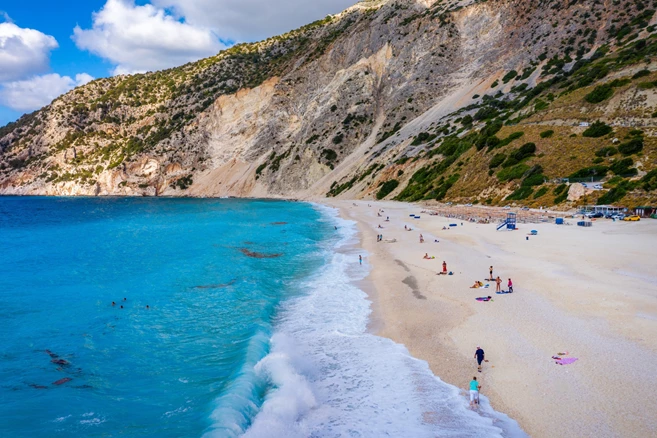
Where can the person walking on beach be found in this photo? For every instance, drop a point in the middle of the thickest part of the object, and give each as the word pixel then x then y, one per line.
pixel 421 238
pixel 479 355
pixel 498 281
pixel 474 392
pixel 491 274
pixel 444 267
pixel 360 259
pixel 510 284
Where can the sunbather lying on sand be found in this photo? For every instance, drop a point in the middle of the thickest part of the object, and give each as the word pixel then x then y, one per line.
pixel 477 284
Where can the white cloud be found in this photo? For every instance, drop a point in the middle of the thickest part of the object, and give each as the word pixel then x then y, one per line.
pixel 23 52
pixel 251 20
pixel 140 38
pixel 38 91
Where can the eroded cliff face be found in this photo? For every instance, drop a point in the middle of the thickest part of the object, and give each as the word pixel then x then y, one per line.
pixel 338 107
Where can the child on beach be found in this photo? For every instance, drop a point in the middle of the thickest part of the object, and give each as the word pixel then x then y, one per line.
pixel 510 284
pixel 474 392
pixel 444 268
pixel 421 238
pixel 498 281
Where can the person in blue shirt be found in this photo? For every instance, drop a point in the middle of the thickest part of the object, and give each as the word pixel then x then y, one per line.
pixel 474 392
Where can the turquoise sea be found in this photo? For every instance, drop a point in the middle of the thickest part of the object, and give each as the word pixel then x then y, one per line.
pixel 231 318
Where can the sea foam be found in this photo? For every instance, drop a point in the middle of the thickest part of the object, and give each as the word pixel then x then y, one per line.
pixel 328 377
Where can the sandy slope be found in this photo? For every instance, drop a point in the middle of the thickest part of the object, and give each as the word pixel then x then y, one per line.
pixel 590 291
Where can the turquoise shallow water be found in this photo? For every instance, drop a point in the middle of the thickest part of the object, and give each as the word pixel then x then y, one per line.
pixel 256 327
pixel 135 371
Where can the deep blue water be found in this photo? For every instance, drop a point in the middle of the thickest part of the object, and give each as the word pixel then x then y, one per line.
pixel 135 371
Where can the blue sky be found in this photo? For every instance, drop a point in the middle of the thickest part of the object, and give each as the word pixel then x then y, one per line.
pixel 47 48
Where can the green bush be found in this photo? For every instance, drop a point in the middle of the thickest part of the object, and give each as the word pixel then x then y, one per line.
pixel 631 147
pixel 510 75
pixel 542 191
pixel 387 188
pixel 606 151
pixel 486 112
pixel 534 180
pixel 617 193
pixel 561 198
pixel 649 181
pixel 624 167
pixel 641 73
pixel 338 138
pixel 496 161
pixel 600 93
pixel 559 189
pixel 523 192
pixel 329 154
pixel 512 173
pixel 590 171
pixel 423 137
pixel 516 156
pixel 527 149
pixel 547 134
pixel 597 129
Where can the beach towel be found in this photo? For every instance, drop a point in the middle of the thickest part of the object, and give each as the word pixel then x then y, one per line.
pixel 483 299
pixel 565 360
pixel 503 292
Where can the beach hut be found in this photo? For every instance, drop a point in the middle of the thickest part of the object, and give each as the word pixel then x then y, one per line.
pixel 645 211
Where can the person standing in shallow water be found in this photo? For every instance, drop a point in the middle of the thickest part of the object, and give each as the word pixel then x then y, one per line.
pixel 360 259
pixel 474 391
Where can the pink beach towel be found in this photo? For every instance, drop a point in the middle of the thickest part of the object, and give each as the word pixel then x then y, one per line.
pixel 566 360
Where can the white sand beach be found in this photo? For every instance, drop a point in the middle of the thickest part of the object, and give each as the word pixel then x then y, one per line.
pixel 589 291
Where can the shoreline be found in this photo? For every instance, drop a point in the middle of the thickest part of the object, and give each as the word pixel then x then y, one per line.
pixel 437 319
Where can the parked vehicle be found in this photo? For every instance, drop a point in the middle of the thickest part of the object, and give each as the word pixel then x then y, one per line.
pixel 597 215
pixel 618 216
pixel 632 218
pixel 598 186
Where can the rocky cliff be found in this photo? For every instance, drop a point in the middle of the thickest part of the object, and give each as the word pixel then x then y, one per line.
pixel 490 101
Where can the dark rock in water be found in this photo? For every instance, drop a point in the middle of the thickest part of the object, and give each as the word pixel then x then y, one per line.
pixel 216 286
pixel 62 381
pixel 60 362
pixel 279 223
pixel 51 354
pixel 35 386
pixel 259 255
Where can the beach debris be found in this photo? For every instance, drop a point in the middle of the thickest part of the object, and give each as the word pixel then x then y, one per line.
pixel 560 360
